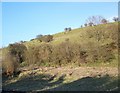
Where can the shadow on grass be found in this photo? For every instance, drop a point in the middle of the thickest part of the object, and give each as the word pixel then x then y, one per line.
pixel 43 83
pixel 32 83
pixel 104 83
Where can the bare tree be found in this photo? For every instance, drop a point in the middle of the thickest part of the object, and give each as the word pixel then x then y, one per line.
pixel 95 20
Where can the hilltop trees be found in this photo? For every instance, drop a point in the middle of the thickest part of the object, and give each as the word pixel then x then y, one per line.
pixel 39 36
pixel 90 24
pixel 68 29
pixel 95 20
pixel 104 21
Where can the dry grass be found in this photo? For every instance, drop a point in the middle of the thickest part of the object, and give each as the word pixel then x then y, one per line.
pixel 91 76
pixel 64 78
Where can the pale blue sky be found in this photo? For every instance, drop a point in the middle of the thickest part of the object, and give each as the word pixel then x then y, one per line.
pixel 23 21
pixel 60 0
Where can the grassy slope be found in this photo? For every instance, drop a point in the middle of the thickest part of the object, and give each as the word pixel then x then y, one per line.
pixel 81 36
pixel 92 79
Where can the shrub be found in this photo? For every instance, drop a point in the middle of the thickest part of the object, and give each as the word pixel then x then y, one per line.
pixel 90 24
pixel 68 52
pixel 39 36
pixel 65 49
pixel 66 29
pixel 32 39
pixel 104 21
pixel 45 51
pixel 39 55
pixel 10 65
pixel 106 54
pixel 17 50
pixel 113 32
pixel 30 56
pixel 96 32
pixel 45 38
pixel 13 56
pixel 96 52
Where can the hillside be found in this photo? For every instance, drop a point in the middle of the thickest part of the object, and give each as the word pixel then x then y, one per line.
pixel 86 58
pixel 82 35
pixel 88 38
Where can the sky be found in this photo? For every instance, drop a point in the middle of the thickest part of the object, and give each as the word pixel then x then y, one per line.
pixel 60 0
pixel 25 20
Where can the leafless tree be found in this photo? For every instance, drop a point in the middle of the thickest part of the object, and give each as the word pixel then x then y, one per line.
pixel 95 20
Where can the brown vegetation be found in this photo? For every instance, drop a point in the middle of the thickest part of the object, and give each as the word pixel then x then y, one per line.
pixel 66 52
pixel 13 56
pixel 45 38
